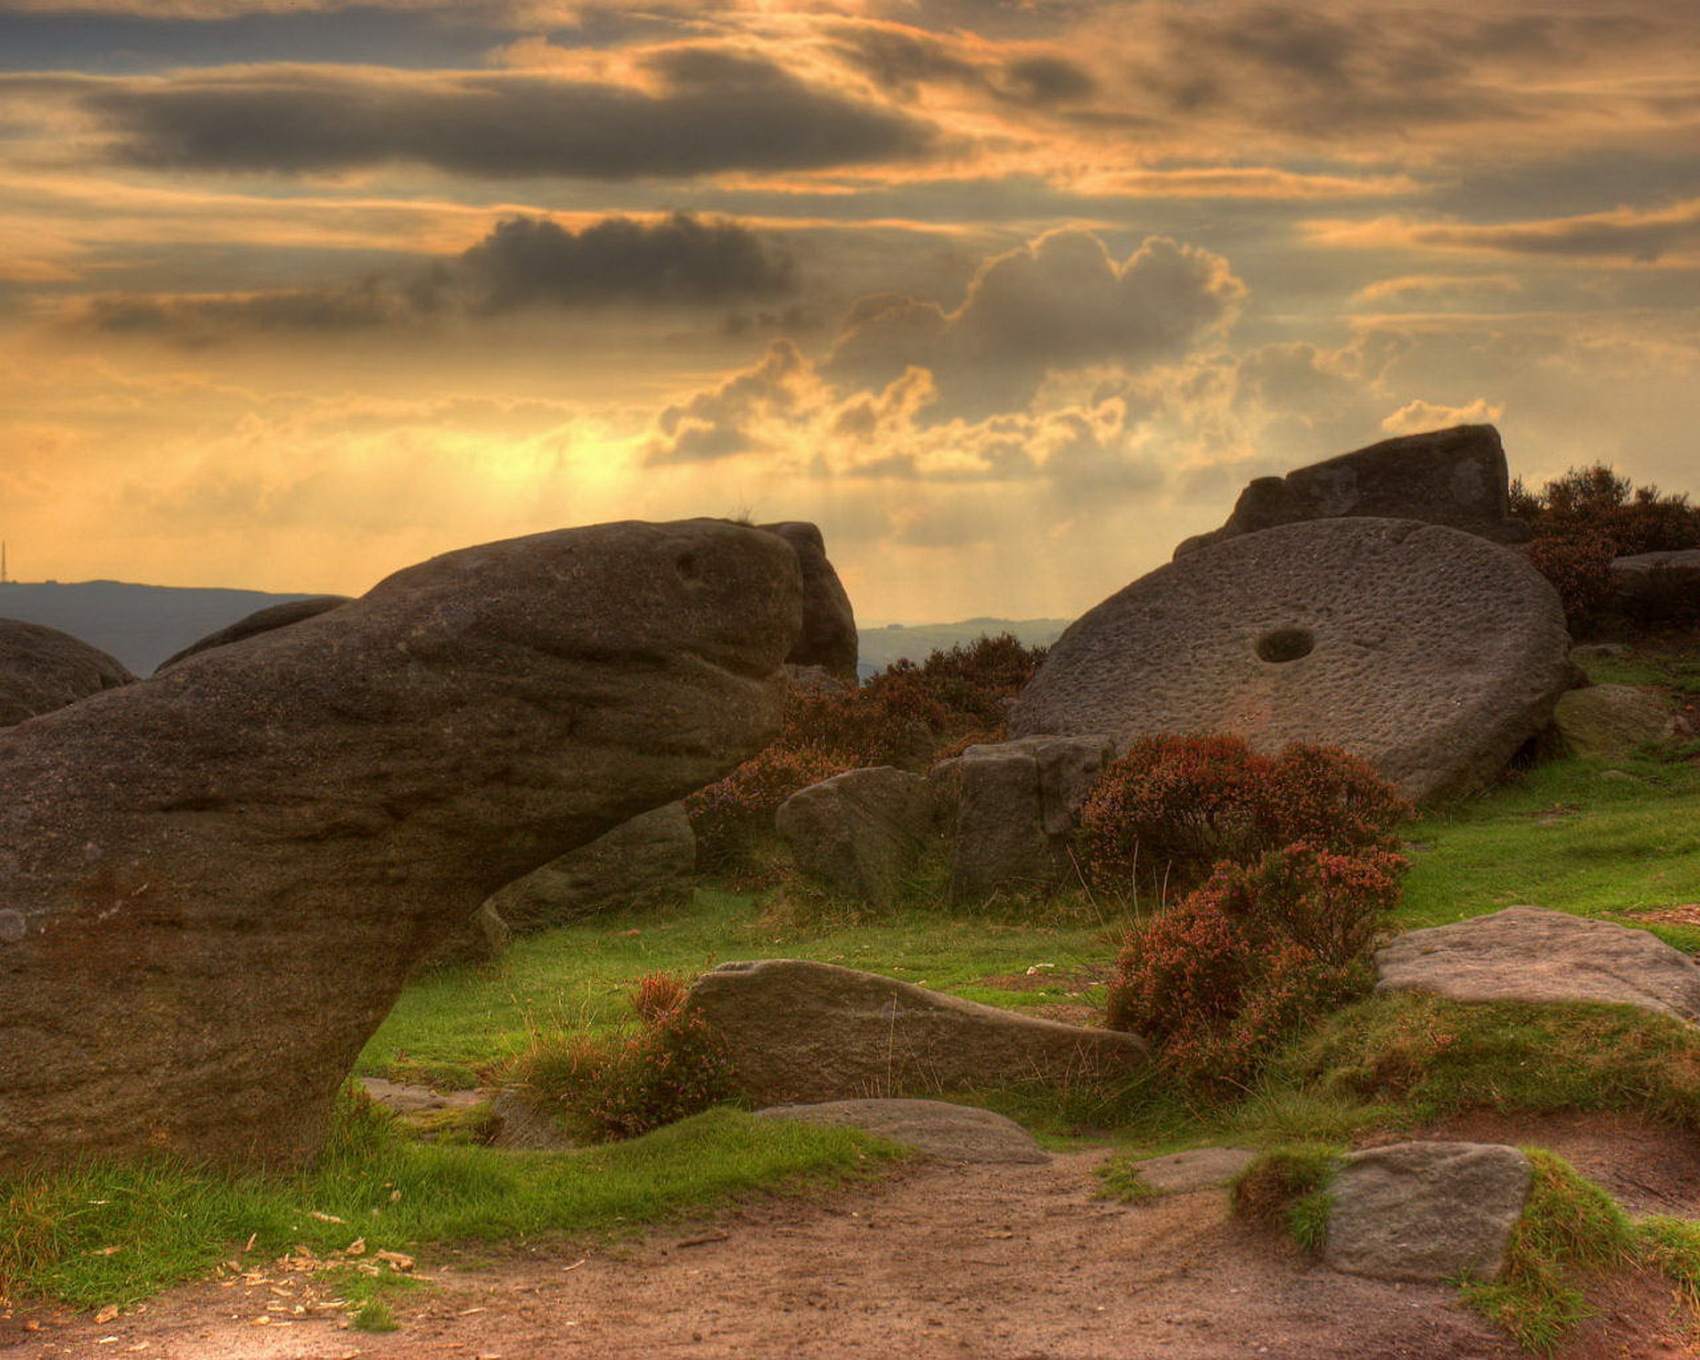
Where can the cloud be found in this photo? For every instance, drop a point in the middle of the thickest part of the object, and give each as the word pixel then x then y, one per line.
pixel 1417 416
pixel 1061 302
pixel 688 111
pixel 522 263
pixel 1668 235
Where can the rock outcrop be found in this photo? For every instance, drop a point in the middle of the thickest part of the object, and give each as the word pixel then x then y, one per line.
pixel 861 832
pixel 800 1031
pixel 828 638
pixel 260 621
pixel 1531 954
pixel 1657 588
pixel 1456 477
pixel 42 669
pixel 647 861
pixel 1429 652
pixel 1011 806
pixel 217 880
pixel 1426 1211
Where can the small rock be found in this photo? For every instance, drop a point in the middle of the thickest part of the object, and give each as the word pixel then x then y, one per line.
pixel 860 832
pixel 1426 1211
pixel 1195 1169
pixel 957 1133
pixel 1612 720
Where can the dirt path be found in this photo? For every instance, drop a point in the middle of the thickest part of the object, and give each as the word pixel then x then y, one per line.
pixel 999 1262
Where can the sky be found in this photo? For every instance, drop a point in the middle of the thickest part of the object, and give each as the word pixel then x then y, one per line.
pixel 1008 296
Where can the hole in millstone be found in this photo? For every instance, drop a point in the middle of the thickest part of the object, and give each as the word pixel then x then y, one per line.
pixel 1285 644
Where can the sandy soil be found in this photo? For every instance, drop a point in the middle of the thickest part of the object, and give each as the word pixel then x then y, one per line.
pixel 1001 1262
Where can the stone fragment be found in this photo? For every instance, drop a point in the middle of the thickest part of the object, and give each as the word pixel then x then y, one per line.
pixel 648 861
pixel 1612 720
pixel 1195 1169
pixel 520 1125
pixel 800 1031
pixel 955 1133
pixel 1426 1211
pixel 222 876
pixel 42 669
pixel 1013 805
pixel 829 636
pixel 1531 954
pixel 260 621
pixel 861 832
pixel 1429 652
pixel 1456 477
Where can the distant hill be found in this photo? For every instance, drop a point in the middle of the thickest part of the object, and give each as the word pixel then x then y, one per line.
pixel 140 625
pixel 879 647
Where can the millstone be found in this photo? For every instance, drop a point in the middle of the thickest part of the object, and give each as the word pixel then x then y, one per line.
pixel 1429 652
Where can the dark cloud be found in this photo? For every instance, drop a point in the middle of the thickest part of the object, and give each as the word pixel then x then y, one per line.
pixel 716 111
pixel 1047 80
pixel 682 259
pixel 1642 237
pixel 726 420
pixel 524 262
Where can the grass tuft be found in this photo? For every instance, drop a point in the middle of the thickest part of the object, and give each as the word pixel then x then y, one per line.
pixel 1287 1188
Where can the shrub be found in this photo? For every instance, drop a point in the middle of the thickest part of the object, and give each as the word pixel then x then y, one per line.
pixel 1172 807
pixel 1220 981
pixel 674 1065
pixel 1587 517
pixel 908 716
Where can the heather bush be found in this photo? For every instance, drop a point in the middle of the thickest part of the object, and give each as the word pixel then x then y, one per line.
pixel 672 1066
pixel 1587 517
pixel 1171 808
pixel 1221 980
pixel 908 716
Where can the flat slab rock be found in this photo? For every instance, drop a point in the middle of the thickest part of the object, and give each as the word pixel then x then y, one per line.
pixel 1194 1169
pixel 804 1032
pixel 957 1133
pixel 1531 954
pixel 1426 1211
pixel 1429 652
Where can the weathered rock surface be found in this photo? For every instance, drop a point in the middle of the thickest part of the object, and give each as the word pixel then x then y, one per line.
pixel 42 669
pixel 1011 807
pixel 1429 652
pixel 1426 1211
pixel 1531 954
pixel 956 1133
pixel 829 637
pixel 1195 1169
pixel 260 621
pixel 861 832
pixel 1456 477
pixel 217 880
pixel 1657 587
pixel 647 861
pixel 801 1031
pixel 1612 720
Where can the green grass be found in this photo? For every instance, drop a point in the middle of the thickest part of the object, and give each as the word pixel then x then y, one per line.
pixel 1569 1228
pixel 105 1233
pixel 457 1027
pixel 1287 1187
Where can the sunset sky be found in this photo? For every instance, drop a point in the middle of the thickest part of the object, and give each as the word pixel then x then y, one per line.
pixel 1009 296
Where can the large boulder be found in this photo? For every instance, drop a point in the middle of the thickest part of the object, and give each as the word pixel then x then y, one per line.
pixel 800 1031
pixel 42 669
pixel 861 832
pixel 1612 720
pixel 648 861
pixel 1531 954
pixel 829 637
pixel 1657 587
pixel 260 621
pixel 1011 808
pixel 1429 652
pixel 1456 477
pixel 217 880
pixel 1426 1211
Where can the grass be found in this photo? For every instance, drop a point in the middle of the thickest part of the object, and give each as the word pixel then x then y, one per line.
pixel 113 1234
pixel 1287 1187
pixel 1569 1228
